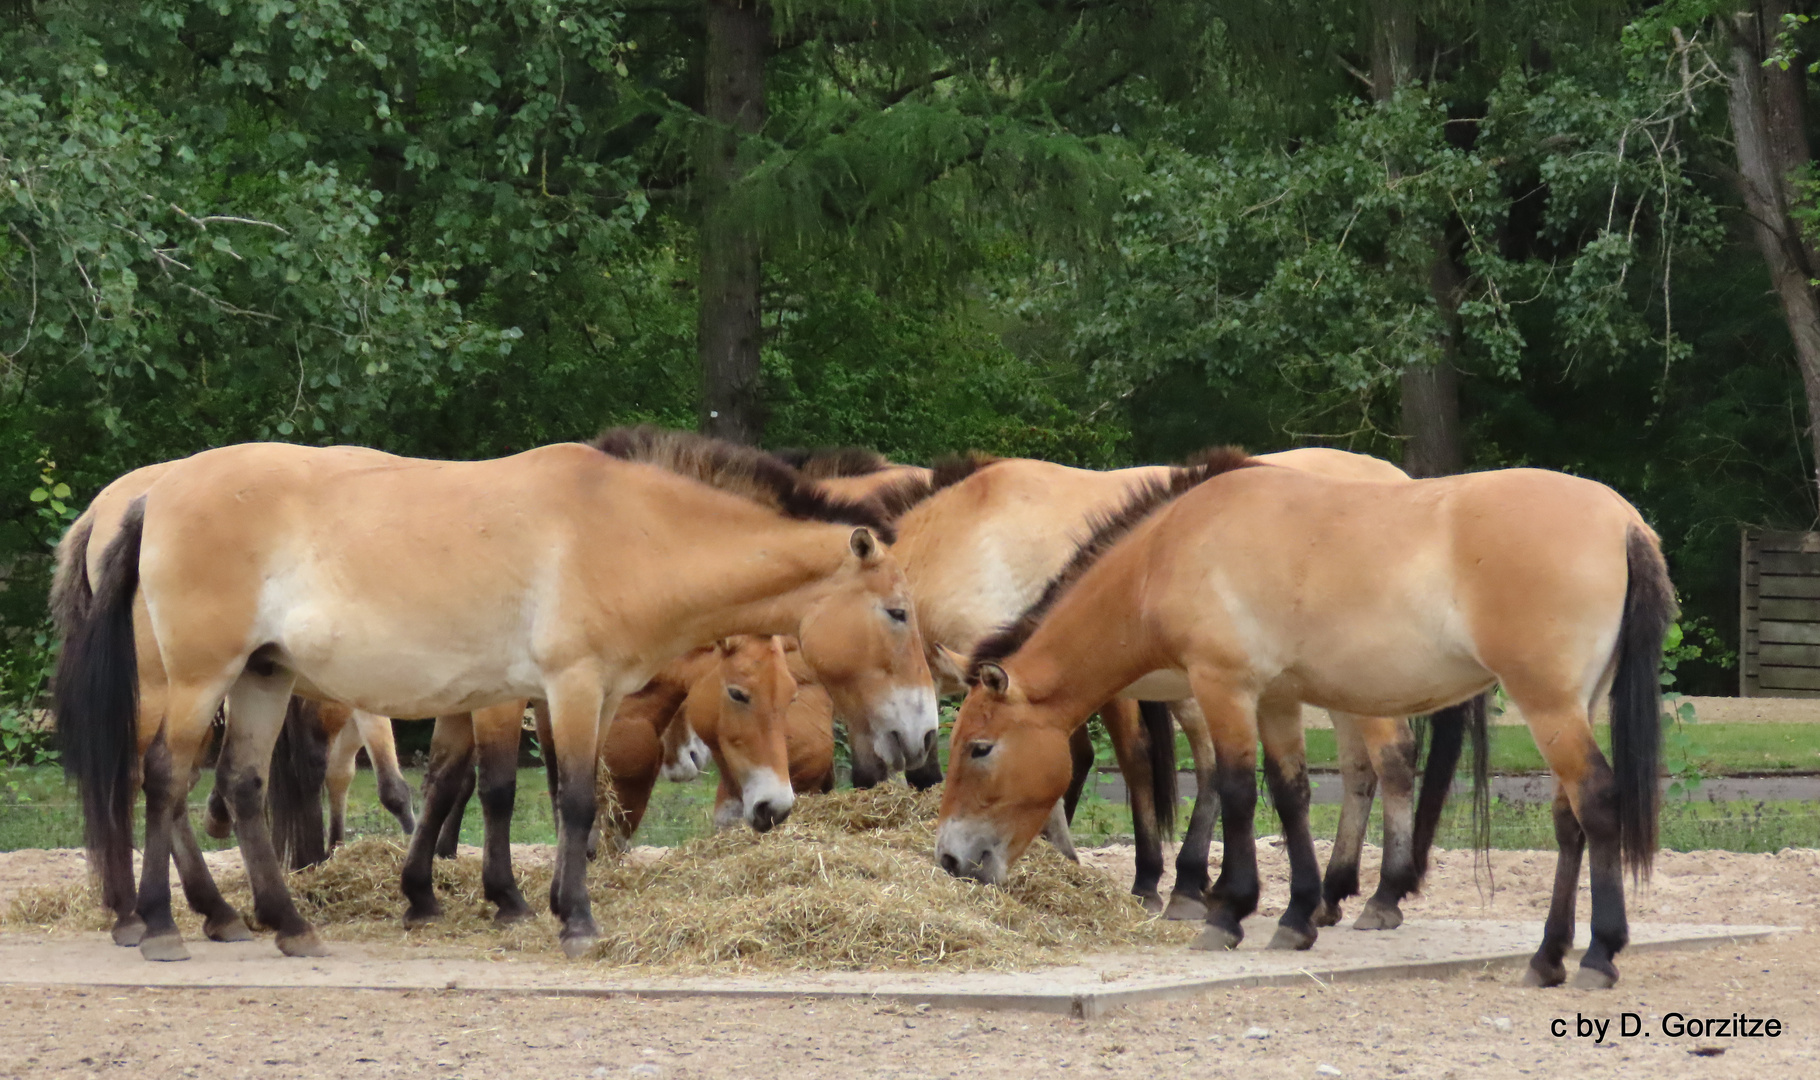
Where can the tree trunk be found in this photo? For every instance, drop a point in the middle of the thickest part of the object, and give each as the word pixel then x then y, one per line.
pixel 1766 116
pixel 727 330
pixel 1430 393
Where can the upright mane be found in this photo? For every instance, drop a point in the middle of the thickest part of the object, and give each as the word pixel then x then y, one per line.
pixel 743 471
pixel 1105 531
pixel 832 462
pixel 896 499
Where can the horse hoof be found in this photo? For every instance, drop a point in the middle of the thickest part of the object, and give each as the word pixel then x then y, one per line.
pixel 1591 978
pixel 408 824
pixel 1327 914
pixel 1543 979
pixel 228 930
pixel 219 828
pixel 129 931
pixel 1151 901
pixel 1376 917
pixel 506 916
pixel 1183 908
pixel 419 917
pixel 577 947
pixel 164 948
pixel 1217 939
pixel 1289 939
pixel 306 944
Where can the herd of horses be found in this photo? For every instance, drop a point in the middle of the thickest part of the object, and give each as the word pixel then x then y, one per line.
pixel 658 598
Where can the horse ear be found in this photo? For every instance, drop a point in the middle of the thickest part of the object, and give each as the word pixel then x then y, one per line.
pixel 994 679
pixel 864 544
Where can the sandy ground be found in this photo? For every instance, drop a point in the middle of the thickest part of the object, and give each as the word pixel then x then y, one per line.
pixel 1482 1025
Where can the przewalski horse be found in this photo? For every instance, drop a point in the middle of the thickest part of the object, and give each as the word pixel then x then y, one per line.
pixel 1259 588
pixel 409 587
pixel 981 537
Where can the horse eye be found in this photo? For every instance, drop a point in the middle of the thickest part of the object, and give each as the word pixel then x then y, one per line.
pixel 978 748
pixel 898 614
pixel 739 695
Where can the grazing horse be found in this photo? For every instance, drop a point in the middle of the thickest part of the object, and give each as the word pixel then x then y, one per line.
pixel 568 573
pixel 979 539
pixel 1258 588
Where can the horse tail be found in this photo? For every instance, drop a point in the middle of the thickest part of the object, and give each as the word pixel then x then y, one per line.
pixel 71 594
pixel 300 770
pixel 1159 735
pixel 1636 699
pixel 1449 729
pixel 95 691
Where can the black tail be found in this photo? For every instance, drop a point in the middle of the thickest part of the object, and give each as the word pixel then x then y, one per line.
pixel 300 771
pixel 1636 700
pixel 1159 733
pixel 1449 729
pixel 71 595
pixel 96 692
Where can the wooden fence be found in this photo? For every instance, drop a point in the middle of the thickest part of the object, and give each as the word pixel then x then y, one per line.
pixel 1779 614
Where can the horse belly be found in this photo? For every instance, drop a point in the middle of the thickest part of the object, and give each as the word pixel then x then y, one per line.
pixel 1392 682
pixel 411 668
pixel 1159 686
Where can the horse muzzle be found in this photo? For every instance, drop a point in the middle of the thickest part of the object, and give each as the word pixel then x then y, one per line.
pixel 966 849
pixel 768 799
pixel 904 728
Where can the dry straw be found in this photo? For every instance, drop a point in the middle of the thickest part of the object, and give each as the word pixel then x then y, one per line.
pixel 848 883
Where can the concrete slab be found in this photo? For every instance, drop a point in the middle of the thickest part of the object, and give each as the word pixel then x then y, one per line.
pixel 1427 949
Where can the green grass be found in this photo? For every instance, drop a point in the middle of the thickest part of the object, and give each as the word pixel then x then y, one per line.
pixel 1710 749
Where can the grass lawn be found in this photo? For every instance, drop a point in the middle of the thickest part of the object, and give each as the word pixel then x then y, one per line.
pixel 1712 749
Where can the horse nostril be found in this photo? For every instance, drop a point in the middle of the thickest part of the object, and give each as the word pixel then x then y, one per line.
pixel 951 864
pixel 929 743
pixel 767 816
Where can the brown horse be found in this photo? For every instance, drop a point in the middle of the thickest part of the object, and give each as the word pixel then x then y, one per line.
pixel 568 573
pixel 1259 588
pixel 979 539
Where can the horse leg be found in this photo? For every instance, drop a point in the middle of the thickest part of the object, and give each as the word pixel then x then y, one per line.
pixel 256 710
pixel 1546 967
pixel 578 706
pixel 1130 746
pixel 496 731
pixel 1188 899
pixel 220 920
pixel 461 790
pixel 1359 784
pixel 1286 774
pixel 1232 724
pixel 382 754
pixel 118 890
pixel 344 748
pixel 1080 755
pixel 160 940
pixel 632 753
pixel 1392 747
pixel 451 758
pixel 1591 796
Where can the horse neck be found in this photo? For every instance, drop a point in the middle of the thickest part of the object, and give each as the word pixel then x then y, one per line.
pixel 1093 643
pixel 761 581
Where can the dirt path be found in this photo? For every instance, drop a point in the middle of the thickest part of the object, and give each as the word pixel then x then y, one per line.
pixel 1458 1027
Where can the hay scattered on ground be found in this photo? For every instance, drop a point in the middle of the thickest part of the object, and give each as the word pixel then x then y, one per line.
pixel 848 883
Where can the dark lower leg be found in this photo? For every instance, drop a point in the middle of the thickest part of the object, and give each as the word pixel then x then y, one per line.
pixel 1287 778
pixel 1131 746
pixel 1598 813
pixel 220 921
pixel 498 792
pixel 1360 787
pixel 120 892
pixel 161 940
pixel 448 836
pixel 395 796
pixel 1234 894
pixel 1188 899
pixel 1399 876
pixel 569 886
pixel 442 783
pixel 1545 967
pixel 272 904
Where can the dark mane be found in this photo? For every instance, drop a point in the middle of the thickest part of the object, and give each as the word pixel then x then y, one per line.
pixel 741 470
pixel 1104 533
pixel 896 499
pixel 830 462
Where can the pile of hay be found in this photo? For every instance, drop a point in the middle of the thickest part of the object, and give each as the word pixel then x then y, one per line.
pixel 849 882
